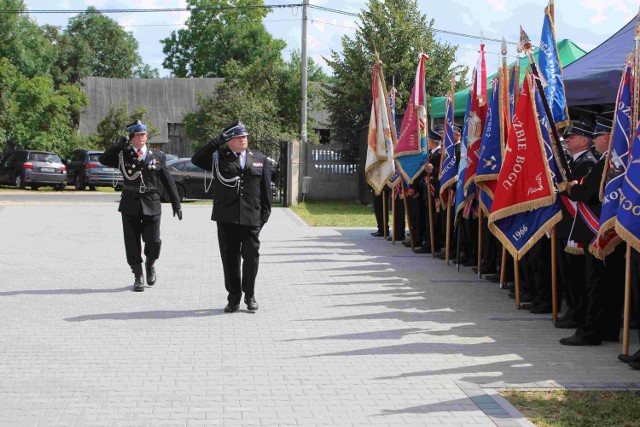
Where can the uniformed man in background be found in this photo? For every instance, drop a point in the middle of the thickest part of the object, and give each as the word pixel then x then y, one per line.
pixel 241 207
pixel 143 170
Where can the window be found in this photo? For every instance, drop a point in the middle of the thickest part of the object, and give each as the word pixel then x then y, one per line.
pixel 179 166
pixel 190 167
pixel 94 157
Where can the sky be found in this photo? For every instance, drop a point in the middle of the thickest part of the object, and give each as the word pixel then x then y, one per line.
pixel 587 23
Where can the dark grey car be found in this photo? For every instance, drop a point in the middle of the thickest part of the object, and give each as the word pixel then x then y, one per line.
pixel 33 168
pixel 84 169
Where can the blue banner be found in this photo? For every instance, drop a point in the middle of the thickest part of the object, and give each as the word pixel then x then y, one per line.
pixel 462 166
pixel 617 156
pixel 628 216
pixel 551 70
pixel 448 167
pixel 490 159
pixel 513 89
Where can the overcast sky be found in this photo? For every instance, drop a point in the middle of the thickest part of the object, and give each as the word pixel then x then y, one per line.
pixel 586 22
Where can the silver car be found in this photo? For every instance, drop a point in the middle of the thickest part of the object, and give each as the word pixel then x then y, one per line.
pixel 33 168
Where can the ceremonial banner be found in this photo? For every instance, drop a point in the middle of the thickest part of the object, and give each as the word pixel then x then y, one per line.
pixel 491 147
pixel 513 90
pixel 615 167
pixel 475 124
pixel 379 164
pixel 411 152
pixel 448 158
pixel 551 70
pixel 462 165
pixel 628 216
pixel 395 177
pixel 481 78
pixel 524 206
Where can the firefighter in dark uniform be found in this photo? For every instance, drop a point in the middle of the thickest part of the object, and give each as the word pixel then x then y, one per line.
pixel 571 263
pixel 143 170
pixel 432 184
pixel 241 207
pixel 604 290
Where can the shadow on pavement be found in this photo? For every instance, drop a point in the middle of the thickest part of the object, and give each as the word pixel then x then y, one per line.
pixel 157 314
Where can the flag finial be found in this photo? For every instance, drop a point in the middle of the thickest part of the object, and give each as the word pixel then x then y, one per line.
pixel 525 41
pixel 503 47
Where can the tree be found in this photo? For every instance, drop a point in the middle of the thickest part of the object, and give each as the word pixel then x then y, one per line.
pixel 217 32
pixel 36 115
pixel 114 124
pixel 24 44
pixel 146 72
pixel 99 46
pixel 398 32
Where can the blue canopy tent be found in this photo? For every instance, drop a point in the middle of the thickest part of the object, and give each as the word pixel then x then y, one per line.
pixel 593 80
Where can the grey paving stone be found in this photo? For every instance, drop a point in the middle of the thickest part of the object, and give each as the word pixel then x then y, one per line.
pixel 348 326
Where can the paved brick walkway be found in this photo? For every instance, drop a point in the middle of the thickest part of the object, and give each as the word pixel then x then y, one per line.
pixel 351 331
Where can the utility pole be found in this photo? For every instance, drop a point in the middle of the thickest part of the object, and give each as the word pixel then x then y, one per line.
pixel 303 82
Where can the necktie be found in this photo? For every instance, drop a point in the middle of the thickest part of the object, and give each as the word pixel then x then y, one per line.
pixel 139 151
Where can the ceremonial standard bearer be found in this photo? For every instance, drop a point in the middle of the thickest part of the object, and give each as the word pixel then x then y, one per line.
pixel 241 207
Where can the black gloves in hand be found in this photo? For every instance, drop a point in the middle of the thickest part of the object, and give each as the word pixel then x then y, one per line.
pixel 218 141
pixel 122 141
pixel 178 212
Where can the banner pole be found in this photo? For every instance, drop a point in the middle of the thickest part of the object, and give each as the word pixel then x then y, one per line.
pixel 627 301
pixel 516 273
pixel 385 214
pixel 446 257
pixel 432 238
pixel 554 276
pixel 458 238
pixel 393 216
pixel 406 211
pixel 480 243
pixel 503 266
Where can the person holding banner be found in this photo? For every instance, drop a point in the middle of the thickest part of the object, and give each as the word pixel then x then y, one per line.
pixel 432 184
pixel 571 261
pixel 604 286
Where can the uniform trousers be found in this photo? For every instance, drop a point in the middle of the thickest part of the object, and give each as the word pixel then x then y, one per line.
pixel 605 296
pixel 146 227
pixel 378 209
pixel 239 242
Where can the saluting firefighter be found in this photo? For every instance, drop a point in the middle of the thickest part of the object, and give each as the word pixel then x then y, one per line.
pixel 241 207
pixel 143 169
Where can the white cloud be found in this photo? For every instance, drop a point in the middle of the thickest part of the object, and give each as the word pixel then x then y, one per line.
pixel 499 5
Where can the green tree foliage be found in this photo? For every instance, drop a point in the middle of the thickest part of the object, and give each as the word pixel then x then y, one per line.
pixel 96 44
pixel 398 32
pixel 36 115
pixel 24 44
pixel 146 72
pixel 114 124
pixel 217 32
pixel 268 106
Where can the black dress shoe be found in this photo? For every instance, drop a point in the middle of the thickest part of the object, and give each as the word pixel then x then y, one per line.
pixel 628 358
pixel 576 340
pixel 230 308
pixel 138 285
pixel 252 305
pixel 525 296
pixel 469 262
pixel 566 324
pixel 151 274
pixel 495 278
pixel 422 250
pixel 407 244
pixel 540 309
pixel 634 365
pixel 377 234
pixel 510 286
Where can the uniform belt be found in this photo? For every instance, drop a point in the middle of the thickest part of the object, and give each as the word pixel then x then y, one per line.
pixel 139 189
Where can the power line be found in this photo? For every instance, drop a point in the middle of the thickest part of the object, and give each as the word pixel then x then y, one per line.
pixel 222 8
pixel 150 10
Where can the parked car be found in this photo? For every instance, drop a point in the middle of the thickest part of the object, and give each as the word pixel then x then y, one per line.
pixel 33 168
pixel 84 169
pixel 171 157
pixel 189 180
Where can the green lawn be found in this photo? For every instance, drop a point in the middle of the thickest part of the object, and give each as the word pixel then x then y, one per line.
pixel 577 408
pixel 335 214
